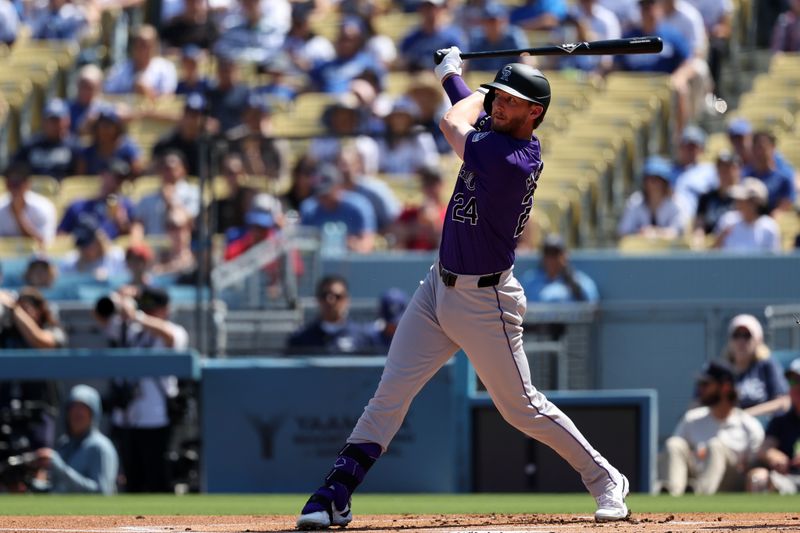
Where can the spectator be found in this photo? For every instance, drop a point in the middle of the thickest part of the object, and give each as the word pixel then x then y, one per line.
pixel 715 203
pixel 351 61
pixel 419 227
pixel 779 179
pixel 29 323
pixel 112 210
pixel 40 273
pixel 556 280
pixel 254 140
pixel 592 22
pixel 140 419
pixel 9 22
pixel 746 229
pixel 379 45
pixel 95 254
pixel 146 72
pixel 740 135
pixel 434 33
pixel 139 260
pixel 257 39
pixel 61 20
pixel 175 192
pixel 405 147
pixel 375 190
pixel 345 120
pixel 230 210
pixel 227 98
pixel 177 258
pixel 717 18
pixel 495 33
pixel 110 142
pixel 192 79
pixel 694 177
pixel 686 19
pixel 392 305
pixel 713 444
pixel 278 85
pixel 185 137
pixel 304 182
pixel 260 224
pixel 779 454
pixel 87 99
pixel 427 93
pixel 760 383
pixel 332 204
pixel 84 460
pixel 306 49
pixel 675 58
pixel 194 26
pixel 626 11
pixel 24 213
pixel 786 33
pixel 54 152
pixel 653 212
pixel 332 331
pixel 539 14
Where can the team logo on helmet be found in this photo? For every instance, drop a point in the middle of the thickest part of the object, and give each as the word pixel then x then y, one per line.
pixel 505 73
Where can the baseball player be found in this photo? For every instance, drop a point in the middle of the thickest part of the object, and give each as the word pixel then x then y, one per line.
pixel 470 298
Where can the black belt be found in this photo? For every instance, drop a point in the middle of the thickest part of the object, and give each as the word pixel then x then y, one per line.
pixel 449 278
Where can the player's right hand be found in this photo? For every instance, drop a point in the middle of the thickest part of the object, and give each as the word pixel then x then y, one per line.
pixel 451 63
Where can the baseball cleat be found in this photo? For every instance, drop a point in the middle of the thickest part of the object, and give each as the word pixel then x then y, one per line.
pixel 321 511
pixel 611 504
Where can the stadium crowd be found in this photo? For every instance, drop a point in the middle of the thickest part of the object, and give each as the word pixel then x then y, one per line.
pixel 204 89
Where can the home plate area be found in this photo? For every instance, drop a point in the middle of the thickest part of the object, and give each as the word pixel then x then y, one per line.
pixel 487 523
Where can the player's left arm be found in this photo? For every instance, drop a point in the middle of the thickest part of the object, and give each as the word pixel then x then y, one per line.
pixel 458 122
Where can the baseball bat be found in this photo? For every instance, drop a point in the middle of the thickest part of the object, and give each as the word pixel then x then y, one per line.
pixel 632 45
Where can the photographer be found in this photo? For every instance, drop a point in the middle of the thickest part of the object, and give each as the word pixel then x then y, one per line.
pixel 28 407
pixel 84 459
pixel 555 280
pixel 138 318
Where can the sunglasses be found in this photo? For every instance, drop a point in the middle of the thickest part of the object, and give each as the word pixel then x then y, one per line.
pixel 330 295
pixel 742 335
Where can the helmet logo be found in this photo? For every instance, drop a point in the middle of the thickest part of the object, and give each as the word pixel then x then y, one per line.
pixel 505 73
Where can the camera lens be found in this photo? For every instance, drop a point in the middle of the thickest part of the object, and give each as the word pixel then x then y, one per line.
pixel 105 307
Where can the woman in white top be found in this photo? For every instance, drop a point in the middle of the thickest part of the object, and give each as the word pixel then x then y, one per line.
pixel 406 147
pixel 653 212
pixel 746 229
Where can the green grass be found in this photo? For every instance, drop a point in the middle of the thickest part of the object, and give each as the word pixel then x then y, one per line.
pixel 249 504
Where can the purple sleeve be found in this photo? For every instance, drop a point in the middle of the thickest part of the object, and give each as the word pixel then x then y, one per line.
pixel 456 88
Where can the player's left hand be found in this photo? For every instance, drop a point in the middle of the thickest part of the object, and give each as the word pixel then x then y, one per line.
pixel 451 63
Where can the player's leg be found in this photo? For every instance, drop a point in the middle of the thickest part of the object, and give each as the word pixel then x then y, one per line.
pixel 493 342
pixel 419 348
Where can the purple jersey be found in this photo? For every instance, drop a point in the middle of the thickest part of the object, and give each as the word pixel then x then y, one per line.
pixel 491 202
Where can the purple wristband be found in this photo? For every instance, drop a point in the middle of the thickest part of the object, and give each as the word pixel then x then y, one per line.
pixel 456 88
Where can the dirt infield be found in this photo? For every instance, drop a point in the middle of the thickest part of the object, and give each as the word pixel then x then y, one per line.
pixel 492 523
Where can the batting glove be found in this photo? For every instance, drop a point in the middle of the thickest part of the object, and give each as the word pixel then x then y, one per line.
pixel 451 63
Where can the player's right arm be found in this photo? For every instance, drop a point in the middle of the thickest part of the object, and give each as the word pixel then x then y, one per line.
pixel 458 122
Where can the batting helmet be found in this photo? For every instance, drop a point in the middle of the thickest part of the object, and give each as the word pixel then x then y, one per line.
pixel 522 81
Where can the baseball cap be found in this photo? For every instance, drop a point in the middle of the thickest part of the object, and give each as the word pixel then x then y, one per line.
pixel 739 126
pixel 553 241
pixel 260 102
pixel 259 218
pixel 328 177
pixel 191 51
pixel 716 371
pixel 693 135
pixel 432 2
pixel 85 233
pixel 110 114
pixel 56 108
pixel 658 166
pixel 195 102
pixel 393 304
pixel 405 105
pixel 728 157
pixel 794 369
pixel 494 10
pixel 139 251
pixel 750 323
pixel 750 189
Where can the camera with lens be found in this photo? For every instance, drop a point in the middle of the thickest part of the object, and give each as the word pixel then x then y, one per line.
pixel 18 462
